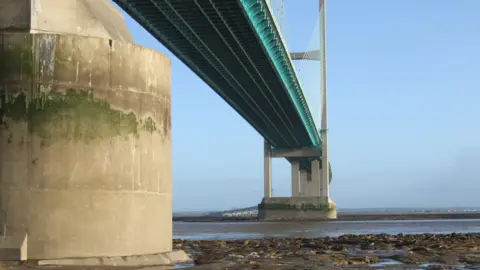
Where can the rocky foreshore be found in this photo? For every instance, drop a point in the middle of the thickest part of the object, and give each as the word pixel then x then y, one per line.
pixel 384 251
pixel 422 251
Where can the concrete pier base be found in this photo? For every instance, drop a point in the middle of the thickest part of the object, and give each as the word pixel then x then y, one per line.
pixel 297 208
pixel 85 135
pixel 167 258
pixel 85 148
pixel 14 248
pixel 85 159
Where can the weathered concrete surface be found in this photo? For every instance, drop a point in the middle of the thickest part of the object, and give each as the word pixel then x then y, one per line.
pixel 85 146
pixel 296 208
pixel 170 258
pixel 94 18
pixel 13 248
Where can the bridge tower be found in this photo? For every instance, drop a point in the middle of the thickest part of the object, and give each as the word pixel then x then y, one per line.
pixel 310 197
pixel 85 137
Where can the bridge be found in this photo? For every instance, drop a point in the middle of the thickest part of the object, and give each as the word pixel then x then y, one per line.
pixel 85 122
pixel 237 49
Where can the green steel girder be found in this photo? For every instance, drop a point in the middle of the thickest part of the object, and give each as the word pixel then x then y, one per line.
pixel 181 52
pixel 147 14
pixel 245 63
pixel 269 35
pixel 195 26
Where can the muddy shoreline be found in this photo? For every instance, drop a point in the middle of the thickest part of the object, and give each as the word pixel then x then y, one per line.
pixel 343 217
pixel 424 251
pixel 370 251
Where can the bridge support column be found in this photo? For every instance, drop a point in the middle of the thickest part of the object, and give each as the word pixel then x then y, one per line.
pixel 316 174
pixel 324 186
pixel 295 167
pixel 85 139
pixel 267 170
pixel 310 186
pixel 303 183
pixel 311 206
pixel 317 204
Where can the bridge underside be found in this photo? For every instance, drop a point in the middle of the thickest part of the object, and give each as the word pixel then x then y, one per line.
pixel 216 40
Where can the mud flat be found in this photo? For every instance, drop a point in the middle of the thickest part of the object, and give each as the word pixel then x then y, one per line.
pixel 424 251
pixel 345 217
pixel 384 251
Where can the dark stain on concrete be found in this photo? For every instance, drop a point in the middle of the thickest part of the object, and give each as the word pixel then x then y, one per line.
pixel 82 90
pixel 75 115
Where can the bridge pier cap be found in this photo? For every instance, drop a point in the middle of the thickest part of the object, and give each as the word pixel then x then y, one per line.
pixel 310 199
pixel 85 135
pixel 90 18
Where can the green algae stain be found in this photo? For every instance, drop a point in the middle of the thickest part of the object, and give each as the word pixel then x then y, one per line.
pixel 286 206
pixel 149 125
pixel 16 59
pixel 73 116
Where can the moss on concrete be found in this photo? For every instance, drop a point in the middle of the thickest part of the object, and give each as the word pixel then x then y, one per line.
pixel 276 206
pixel 17 58
pixel 312 207
pixel 303 207
pixel 149 125
pixel 73 116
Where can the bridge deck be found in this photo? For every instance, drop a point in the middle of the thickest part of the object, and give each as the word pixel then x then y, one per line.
pixel 234 46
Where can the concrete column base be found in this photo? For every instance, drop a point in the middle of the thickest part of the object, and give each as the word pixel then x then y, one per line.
pixel 13 248
pixel 160 259
pixel 85 147
pixel 297 208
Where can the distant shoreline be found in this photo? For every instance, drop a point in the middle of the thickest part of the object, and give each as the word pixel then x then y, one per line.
pixel 343 217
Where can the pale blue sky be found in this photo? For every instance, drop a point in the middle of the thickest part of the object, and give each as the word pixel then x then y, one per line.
pixel 404 81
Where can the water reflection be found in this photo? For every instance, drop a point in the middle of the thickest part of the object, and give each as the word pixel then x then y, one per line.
pixel 244 230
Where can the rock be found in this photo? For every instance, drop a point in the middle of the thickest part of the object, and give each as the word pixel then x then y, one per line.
pixel 362 260
pixel 449 258
pixel 329 259
pixel 340 251
pixel 471 259
pixel 436 267
pixel 423 251
pixel 408 258
pixel 338 248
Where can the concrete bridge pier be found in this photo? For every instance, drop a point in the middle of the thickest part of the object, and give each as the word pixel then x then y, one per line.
pixel 316 172
pixel 303 182
pixel 310 193
pixel 267 170
pixel 309 184
pixel 85 138
pixel 295 167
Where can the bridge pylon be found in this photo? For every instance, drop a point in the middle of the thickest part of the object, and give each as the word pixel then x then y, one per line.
pixel 310 197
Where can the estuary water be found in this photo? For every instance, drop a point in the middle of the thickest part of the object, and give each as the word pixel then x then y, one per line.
pixel 250 230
